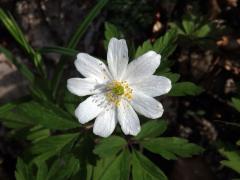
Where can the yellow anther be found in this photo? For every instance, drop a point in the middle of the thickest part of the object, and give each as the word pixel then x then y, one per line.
pixel 118 90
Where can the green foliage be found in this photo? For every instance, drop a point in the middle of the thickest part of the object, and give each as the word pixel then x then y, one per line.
pixel 61 169
pixel 33 113
pixel 165 45
pixel 110 146
pixel 13 28
pixel 57 148
pixel 7 107
pixel 70 102
pixel 38 133
pixel 22 171
pixel 193 27
pixel 233 159
pixel 184 89
pixel 144 169
pixel 118 168
pixel 172 147
pixel 174 77
pixel 152 129
pixel 51 146
pixel 42 171
pixel 236 103
pixel 145 47
pixel 110 32
pixel 59 50
pixel 23 69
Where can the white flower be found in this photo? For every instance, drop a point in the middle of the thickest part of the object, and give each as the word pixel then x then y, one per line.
pixel 120 89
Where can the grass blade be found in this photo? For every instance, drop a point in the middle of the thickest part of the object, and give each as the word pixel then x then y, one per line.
pixel 58 50
pixel 13 28
pixel 23 69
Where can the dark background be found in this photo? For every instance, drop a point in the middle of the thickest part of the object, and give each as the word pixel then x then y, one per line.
pixel 213 64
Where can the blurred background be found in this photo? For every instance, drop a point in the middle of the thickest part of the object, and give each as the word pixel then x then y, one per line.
pixel 209 58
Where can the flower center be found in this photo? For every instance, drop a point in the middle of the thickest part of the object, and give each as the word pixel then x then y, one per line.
pixel 118 90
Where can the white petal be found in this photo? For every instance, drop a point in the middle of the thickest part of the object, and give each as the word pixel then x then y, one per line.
pixel 92 67
pixel 146 105
pixel 90 108
pixel 128 118
pixel 153 85
pixel 83 87
pixel 105 123
pixel 117 57
pixel 142 67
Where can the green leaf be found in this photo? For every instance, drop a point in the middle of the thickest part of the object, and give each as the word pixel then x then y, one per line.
pixel 172 147
pixel 42 171
pixel 188 24
pixel 233 159
pixel 46 116
pixel 43 157
pixel 22 171
pixel 14 29
pixel 152 129
pixel 203 31
pixel 7 107
pixel 174 77
pixel 166 45
pixel 68 163
pixel 38 133
pixel 70 101
pixel 16 32
pixel 110 32
pixel 59 50
pixel 238 142
pixel 144 169
pixel 22 68
pixel 146 46
pixel 117 169
pixel 236 103
pixel 110 146
pixel 185 88
pixel 14 120
pixel 75 39
pixel 164 67
pixel 52 145
pixel 33 113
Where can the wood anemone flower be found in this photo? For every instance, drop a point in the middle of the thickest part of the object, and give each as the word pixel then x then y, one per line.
pixel 120 89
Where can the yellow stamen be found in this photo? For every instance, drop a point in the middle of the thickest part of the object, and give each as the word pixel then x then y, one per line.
pixel 118 90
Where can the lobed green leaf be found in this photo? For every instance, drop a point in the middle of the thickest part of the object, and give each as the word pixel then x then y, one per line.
pixel 185 88
pixel 118 168
pixel 233 159
pixel 110 32
pixel 51 146
pixel 172 147
pixel 110 146
pixel 144 169
pixel 236 103
pixel 152 129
